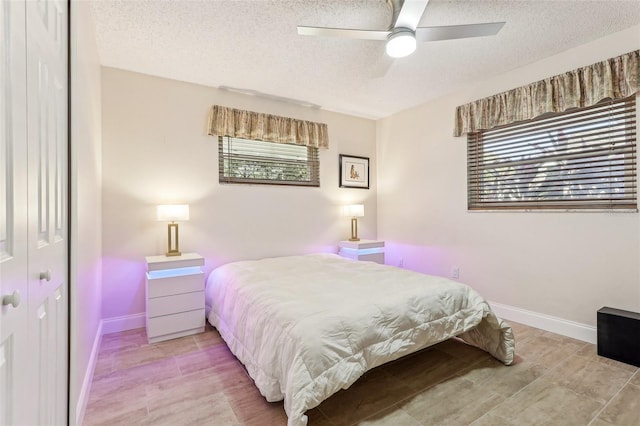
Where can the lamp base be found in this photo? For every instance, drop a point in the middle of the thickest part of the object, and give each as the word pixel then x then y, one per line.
pixel 354 230
pixel 172 240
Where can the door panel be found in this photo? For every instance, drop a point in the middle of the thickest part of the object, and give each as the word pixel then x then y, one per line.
pixel 14 349
pixel 59 346
pixel 33 224
pixel 41 358
pixel 42 150
pixel 47 143
pixel 6 380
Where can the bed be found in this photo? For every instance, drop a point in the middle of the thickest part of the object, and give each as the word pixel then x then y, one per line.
pixel 307 326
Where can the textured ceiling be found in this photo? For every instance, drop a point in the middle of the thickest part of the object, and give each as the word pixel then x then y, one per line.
pixel 254 46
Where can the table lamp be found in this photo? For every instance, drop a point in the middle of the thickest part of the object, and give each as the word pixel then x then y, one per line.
pixel 173 213
pixel 354 211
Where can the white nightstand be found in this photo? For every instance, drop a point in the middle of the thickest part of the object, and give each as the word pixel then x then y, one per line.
pixel 175 296
pixel 362 250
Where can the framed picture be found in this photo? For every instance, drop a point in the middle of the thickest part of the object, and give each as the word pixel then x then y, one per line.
pixel 354 171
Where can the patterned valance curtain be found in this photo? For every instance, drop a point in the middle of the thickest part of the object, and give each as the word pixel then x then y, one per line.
pixel 239 123
pixel 611 79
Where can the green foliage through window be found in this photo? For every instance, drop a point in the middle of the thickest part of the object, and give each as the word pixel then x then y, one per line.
pixel 260 162
pixel 581 159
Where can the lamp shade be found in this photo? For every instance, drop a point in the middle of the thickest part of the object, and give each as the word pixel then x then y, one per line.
pixel 173 212
pixel 354 210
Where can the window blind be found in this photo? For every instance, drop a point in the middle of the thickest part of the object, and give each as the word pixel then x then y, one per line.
pixel 261 162
pixel 581 159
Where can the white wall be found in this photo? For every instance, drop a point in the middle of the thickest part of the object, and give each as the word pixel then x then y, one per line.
pixel 155 150
pixel 85 196
pixel 566 265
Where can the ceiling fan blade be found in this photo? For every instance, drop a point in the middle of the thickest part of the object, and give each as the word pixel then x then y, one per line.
pixel 344 32
pixel 410 14
pixel 458 31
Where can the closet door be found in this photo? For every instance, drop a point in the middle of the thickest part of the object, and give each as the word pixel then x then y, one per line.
pixel 15 371
pixel 47 142
pixel 33 212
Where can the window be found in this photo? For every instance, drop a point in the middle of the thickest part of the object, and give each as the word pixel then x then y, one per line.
pixel 260 162
pixel 582 159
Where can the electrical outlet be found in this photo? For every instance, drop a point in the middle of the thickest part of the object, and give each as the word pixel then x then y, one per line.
pixel 455 272
pixel 401 263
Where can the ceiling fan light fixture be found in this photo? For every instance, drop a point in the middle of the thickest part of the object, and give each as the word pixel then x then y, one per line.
pixel 401 43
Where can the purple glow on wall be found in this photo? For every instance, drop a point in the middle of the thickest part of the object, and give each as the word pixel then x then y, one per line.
pixel 425 259
pixel 117 276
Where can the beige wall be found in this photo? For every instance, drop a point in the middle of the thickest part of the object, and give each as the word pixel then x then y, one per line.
pixel 155 150
pixel 566 265
pixel 85 196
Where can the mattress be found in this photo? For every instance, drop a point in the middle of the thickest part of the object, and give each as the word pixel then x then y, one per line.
pixel 307 326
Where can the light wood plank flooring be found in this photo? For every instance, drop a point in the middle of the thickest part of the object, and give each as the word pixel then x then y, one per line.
pixel 195 380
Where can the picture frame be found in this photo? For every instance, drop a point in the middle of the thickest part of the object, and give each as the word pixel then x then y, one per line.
pixel 354 172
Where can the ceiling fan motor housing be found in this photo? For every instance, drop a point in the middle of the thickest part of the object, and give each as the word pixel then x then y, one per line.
pixel 401 42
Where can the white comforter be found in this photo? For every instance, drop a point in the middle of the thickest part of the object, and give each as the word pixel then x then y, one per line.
pixel 307 326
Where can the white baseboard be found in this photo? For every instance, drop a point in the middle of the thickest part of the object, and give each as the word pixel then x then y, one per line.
pixel 123 323
pixel 572 329
pixel 83 397
pixel 106 326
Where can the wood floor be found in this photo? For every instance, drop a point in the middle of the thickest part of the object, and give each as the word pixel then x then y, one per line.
pixel 195 380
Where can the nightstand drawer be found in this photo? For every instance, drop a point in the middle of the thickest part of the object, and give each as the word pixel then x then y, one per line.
pixel 166 305
pixel 373 257
pixel 168 324
pixel 167 286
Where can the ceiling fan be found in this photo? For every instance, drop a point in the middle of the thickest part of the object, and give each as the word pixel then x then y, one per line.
pixel 401 38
